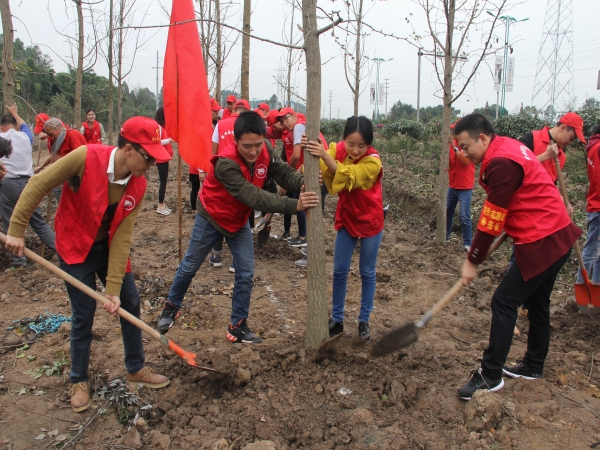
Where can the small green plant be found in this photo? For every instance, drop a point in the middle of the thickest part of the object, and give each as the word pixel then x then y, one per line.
pixel 54 369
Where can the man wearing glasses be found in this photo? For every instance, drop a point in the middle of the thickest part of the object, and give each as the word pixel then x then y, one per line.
pixel 104 189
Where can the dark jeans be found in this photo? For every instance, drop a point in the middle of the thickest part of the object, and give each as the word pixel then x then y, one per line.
pixel 195 180
pixel 300 217
pixel 462 196
pixel 83 308
pixel 510 294
pixel 163 175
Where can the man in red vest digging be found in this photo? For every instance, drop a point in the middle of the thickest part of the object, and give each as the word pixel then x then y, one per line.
pixel 233 187
pixel 104 189
pixel 522 201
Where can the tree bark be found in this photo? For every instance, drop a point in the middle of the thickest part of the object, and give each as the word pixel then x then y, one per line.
pixel 79 74
pixel 316 328
pixel 219 64
pixel 111 101
pixel 8 71
pixel 245 91
pixel 358 57
pixel 440 232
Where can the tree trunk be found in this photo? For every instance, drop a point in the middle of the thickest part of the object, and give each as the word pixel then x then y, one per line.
pixel 219 64
pixel 120 66
pixel 111 102
pixel 246 52
pixel 316 327
pixel 440 232
pixel 358 57
pixel 8 71
pixel 79 75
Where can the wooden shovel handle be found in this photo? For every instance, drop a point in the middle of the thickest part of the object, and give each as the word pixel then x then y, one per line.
pixel 87 290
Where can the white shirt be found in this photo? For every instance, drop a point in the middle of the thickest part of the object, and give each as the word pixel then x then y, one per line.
pixel 111 170
pixel 20 161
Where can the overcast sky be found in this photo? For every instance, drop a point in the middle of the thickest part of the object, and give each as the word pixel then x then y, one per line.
pixel 37 23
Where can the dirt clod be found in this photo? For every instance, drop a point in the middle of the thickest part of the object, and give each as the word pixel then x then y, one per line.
pixel 261 445
pixel 483 411
pixel 132 439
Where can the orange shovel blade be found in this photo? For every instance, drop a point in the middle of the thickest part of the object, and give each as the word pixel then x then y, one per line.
pixel 188 357
pixel 587 297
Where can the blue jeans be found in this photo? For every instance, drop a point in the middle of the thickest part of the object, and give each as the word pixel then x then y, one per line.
pixel 463 196
pixel 591 249
pixel 83 308
pixel 204 237
pixel 342 257
pixel 10 191
pixel 300 217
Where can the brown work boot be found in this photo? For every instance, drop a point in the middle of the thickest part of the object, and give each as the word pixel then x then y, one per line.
pixel 80 396
pixel 147 378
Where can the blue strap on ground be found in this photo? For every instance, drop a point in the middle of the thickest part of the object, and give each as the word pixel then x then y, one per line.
pixel 48 323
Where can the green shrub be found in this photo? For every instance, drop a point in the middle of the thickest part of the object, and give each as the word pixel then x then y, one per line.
pixel 517 125
pixel 410 128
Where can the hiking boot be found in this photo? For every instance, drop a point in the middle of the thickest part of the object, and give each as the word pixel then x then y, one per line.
pixel 231 268
pixel 147 378
pixel 215 260
pixel 286 236
pixel 80 396
pixel 521 370
pixel 301 262
pixel 241 333
pixel 479 381
pixel 335 328
pixel 163 210
pixel 297 242
pixel 363 331
pixel 167 318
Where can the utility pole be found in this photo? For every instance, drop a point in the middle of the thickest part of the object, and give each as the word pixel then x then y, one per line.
pixel 437 55
pixel 386 94
pixel 157 68
pixel 378 62
pixel 330 93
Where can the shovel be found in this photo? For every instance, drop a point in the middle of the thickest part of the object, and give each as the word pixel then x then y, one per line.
pixel 265 232
pixel 407 334
pixel 188 357
pixel 587 295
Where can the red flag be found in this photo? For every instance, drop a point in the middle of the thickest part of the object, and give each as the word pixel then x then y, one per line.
pixel 185 88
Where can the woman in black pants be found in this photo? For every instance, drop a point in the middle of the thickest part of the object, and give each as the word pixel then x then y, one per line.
pixel 163 168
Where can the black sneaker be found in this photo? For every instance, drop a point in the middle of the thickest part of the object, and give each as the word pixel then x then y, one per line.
pixel 297 242
pixel 521 370
pixel 286 236
pixel 167 317
pixel 241 333
pixel 335 328
pixel 477 382
pixel 363 331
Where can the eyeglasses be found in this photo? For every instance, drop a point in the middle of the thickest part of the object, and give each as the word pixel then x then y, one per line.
pixel 149 159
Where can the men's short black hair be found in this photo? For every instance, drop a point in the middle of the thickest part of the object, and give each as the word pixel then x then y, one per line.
pixel 122 142
pixel 249 122
pixel 7 119
pixel 5 147
pixel 474 124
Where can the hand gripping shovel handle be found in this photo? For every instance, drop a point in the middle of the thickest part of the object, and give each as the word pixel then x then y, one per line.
pixel 188 357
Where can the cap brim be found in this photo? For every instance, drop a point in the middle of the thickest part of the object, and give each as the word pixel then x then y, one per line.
pixel 157 151
pixel 38 129
pixel 580 135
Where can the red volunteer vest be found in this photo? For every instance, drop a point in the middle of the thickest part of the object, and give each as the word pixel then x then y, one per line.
pixel 226 137
pixel 536 209
pixel 541 140
pixel 225 210
pixel 459 175
pixel 226 114
pixel 79 214
pixel 593 169
pixel 92 135
pixel 360 211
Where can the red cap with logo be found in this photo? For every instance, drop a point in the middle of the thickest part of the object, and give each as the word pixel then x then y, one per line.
pixel 285 111
pixel 242 104
pixel 145 132
pixel 272 117
pixel 214 105
pixel 231 99
pixel 264 107
pixel 40 121
pixel 574 120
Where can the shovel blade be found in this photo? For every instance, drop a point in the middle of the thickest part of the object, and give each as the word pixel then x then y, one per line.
pixel 587 297
pixel 395 340
pixel 263 235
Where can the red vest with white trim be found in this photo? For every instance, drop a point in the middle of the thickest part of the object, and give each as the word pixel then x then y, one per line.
pixel 226 137
pixel 228 212
pixel 359 211
pixel 80 213
pixel 593 169
pixel 541 140
pixel 536 209
pixel 92 135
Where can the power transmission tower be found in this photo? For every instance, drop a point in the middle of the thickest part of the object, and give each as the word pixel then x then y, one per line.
pixel 554 74
pixel 386 94
pixel 330 93
pixel 157 69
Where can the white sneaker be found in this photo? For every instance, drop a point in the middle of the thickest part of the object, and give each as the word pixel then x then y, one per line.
pixel 163 210
pixel 467 248
pixel 257 214
pixel 232 269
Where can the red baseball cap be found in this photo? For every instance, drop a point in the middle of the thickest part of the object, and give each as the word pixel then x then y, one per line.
pixel 232 99
pixel 145 132
pixel 40 121
pixel 272 117
pixel 574 120
pixel 261 113
pixel 285 111
pixel 214 105
pixel 242 104
pixel 264 107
